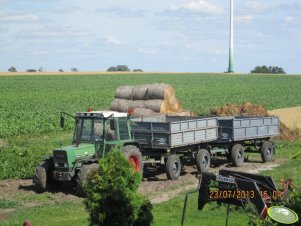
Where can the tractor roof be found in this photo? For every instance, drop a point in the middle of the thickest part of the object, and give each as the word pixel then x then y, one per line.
pixel 104 114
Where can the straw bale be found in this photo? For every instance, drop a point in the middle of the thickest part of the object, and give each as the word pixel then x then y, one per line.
pixel 158 106
pixel 124 92
pixel 120 105
pixel 160 91
pixel 140 92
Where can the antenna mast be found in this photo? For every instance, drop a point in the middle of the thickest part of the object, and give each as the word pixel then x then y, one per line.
pixel 231 57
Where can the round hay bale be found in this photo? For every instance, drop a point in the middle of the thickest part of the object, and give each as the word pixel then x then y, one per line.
pixel 143 111
pixel 175 104
pixel 136 104
pixel 120 105
pixel 140 92
pixel 159 106
pixel 124 92
pixel 160 91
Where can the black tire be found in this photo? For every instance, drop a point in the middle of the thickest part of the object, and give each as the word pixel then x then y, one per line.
pixel 237 155
pixel 85 169
pixel 203 160
pixel 267 151
pixel 133 155
pixel 173 167
pixel 41 177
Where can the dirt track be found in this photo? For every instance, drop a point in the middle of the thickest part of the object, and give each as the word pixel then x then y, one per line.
pixel 155 186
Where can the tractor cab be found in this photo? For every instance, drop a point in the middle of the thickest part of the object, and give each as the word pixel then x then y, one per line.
pixel 101 128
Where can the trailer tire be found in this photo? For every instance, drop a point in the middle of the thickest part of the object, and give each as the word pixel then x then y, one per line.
pixel 203 160
pixel 173 167
pixel 237 155
pixel 41 177
pixel 84 170
pixel 267 151
pixel 133 155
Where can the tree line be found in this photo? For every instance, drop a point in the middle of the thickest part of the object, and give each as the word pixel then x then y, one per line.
pixel 121 68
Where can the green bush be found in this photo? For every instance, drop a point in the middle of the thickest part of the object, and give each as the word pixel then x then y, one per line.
pixel 112 197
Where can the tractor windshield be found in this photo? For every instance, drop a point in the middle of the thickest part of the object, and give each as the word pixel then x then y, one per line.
pixel 88 130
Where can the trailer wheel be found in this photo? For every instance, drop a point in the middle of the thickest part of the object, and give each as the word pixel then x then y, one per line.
pixel 237 155
pixel 173 167
pixel 267 151
pixel 133 155
pixel 41 179
pixel 203 160
pixel 84 170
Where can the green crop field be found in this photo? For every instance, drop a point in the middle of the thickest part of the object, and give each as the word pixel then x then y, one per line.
pixel 29 128
pixel 30 105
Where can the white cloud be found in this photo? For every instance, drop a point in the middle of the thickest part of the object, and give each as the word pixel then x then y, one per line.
pixel 244 18
pixel 258 6
pixel 19 18
pixel 197 6
pixel 292 20
pixel 112 40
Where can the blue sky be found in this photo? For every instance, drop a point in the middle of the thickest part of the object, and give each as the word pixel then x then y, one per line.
pixel 174 36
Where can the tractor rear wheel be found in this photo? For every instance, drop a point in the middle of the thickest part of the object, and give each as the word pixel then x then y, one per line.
pixel 237 155
pixel 203 160
pixel 133 155
pixel 173 167
pixel 41 177
pixel 81 178
pixel 267 151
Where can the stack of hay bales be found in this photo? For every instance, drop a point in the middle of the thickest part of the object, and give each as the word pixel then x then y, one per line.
pixel 146 99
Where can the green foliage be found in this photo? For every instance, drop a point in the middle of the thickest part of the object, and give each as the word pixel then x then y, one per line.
pixel 119 68
pixel 17 162
pixel 112 197
pixel 19 156
pixel 268 70
pixel 12 69
pixel 294 202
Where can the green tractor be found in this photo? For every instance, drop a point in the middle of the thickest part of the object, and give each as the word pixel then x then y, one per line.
pixel 95 133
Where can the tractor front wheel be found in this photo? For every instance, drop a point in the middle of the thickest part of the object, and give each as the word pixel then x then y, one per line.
pixel 41 180
pixel 81 178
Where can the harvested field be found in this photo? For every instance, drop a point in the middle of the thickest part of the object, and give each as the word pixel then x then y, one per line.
pixel 291 117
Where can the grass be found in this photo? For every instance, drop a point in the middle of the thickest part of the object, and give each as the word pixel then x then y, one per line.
pixel 6 204
pixel 168 213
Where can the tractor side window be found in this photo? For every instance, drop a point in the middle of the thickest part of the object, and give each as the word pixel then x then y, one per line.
pixel 98 130
pixel 123 129
pixel 111 133
pixel 86 129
